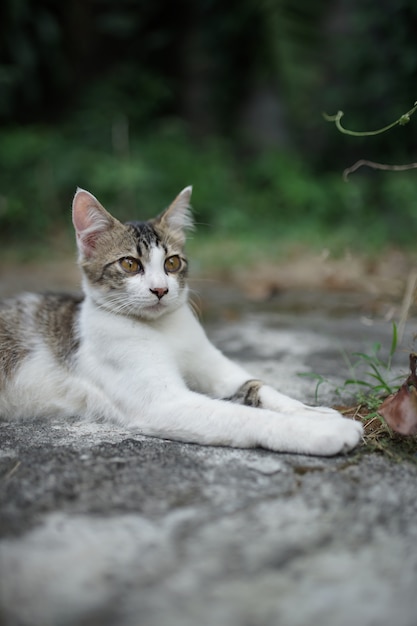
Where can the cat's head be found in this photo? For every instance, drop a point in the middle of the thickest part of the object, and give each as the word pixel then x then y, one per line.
pixel 136 269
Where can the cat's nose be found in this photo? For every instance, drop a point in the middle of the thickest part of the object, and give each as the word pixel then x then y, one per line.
pixel 159 292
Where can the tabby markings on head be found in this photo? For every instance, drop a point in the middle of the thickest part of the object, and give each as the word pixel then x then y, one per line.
pixel 146 236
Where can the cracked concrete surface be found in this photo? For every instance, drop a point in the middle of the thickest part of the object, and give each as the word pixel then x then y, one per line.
pixel 99 526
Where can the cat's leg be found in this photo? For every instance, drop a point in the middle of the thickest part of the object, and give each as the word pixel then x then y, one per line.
pixel 178 414
pixel 175 413
pixel 194 418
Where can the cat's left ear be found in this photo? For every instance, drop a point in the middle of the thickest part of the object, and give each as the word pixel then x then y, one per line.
pixel 90 220
pixel 177 217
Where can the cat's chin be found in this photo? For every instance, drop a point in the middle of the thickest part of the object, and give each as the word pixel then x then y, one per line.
pixel 155 311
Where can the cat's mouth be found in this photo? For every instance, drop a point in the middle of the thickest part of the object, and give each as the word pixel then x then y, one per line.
pixel 155 308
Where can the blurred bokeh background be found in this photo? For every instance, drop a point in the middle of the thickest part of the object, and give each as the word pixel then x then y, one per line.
pixel 135 99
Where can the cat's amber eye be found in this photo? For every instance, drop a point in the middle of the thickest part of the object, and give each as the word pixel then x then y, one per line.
pixel 130 265
pixel 173 264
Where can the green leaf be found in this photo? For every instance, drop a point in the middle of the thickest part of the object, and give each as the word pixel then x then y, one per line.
pixel 353 381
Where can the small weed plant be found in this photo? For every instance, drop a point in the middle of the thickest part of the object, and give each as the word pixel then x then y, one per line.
pixel 371 374
pixel 371 378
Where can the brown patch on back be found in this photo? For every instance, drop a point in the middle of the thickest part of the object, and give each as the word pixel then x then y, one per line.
pixel 29 320
pixel 14 345
pixel 13 352
pixel 57 318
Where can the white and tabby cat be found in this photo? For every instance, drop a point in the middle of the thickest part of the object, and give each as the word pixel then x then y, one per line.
pixel 131 350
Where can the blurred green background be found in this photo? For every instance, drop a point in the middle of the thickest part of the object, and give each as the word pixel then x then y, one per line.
pixel 133 100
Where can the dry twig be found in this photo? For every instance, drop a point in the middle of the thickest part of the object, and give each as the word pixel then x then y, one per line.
pixel 376 166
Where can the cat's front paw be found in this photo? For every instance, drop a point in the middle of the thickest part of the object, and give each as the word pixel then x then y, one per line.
pixel 335 436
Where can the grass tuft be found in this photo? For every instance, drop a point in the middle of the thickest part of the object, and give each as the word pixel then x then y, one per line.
pixel 378 436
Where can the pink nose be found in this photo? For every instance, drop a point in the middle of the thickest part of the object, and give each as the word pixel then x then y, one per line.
pixel 159 292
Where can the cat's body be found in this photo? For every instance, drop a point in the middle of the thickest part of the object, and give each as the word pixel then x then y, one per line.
pixel 132 351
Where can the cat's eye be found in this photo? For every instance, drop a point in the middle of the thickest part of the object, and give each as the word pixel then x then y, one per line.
pixel 130 265
pixel 173 264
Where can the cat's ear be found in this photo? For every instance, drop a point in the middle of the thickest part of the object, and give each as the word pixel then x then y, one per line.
pixel 177 217
pixel 90 220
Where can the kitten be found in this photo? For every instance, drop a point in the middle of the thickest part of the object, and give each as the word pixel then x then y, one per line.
pixel 130 349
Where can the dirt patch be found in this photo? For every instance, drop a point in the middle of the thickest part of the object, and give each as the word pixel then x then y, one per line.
pixel 54 275
pixel 386 275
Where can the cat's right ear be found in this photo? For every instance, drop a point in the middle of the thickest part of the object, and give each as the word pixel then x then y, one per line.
pixel 90 220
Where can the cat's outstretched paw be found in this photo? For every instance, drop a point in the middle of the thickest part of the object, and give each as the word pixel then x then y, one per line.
pixel 335 436
pixel 298 433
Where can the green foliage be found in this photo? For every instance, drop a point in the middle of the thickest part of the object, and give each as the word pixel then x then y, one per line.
pixel 210 63
pixel 377 378
pixel 293 39
pixel 372 67
pixel 274 194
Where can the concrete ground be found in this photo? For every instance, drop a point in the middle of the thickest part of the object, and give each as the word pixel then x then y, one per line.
pixel 101 527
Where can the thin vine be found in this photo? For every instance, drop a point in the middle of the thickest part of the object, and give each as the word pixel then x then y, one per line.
pixel 401 121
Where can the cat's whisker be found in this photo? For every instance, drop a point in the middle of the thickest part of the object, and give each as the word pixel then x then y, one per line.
pixel 195 302
pixel 116 305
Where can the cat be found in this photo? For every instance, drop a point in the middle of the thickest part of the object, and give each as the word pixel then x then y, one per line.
pixel 130 350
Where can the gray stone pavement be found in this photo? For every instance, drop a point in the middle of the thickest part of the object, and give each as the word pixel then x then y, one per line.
pixel 99 526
